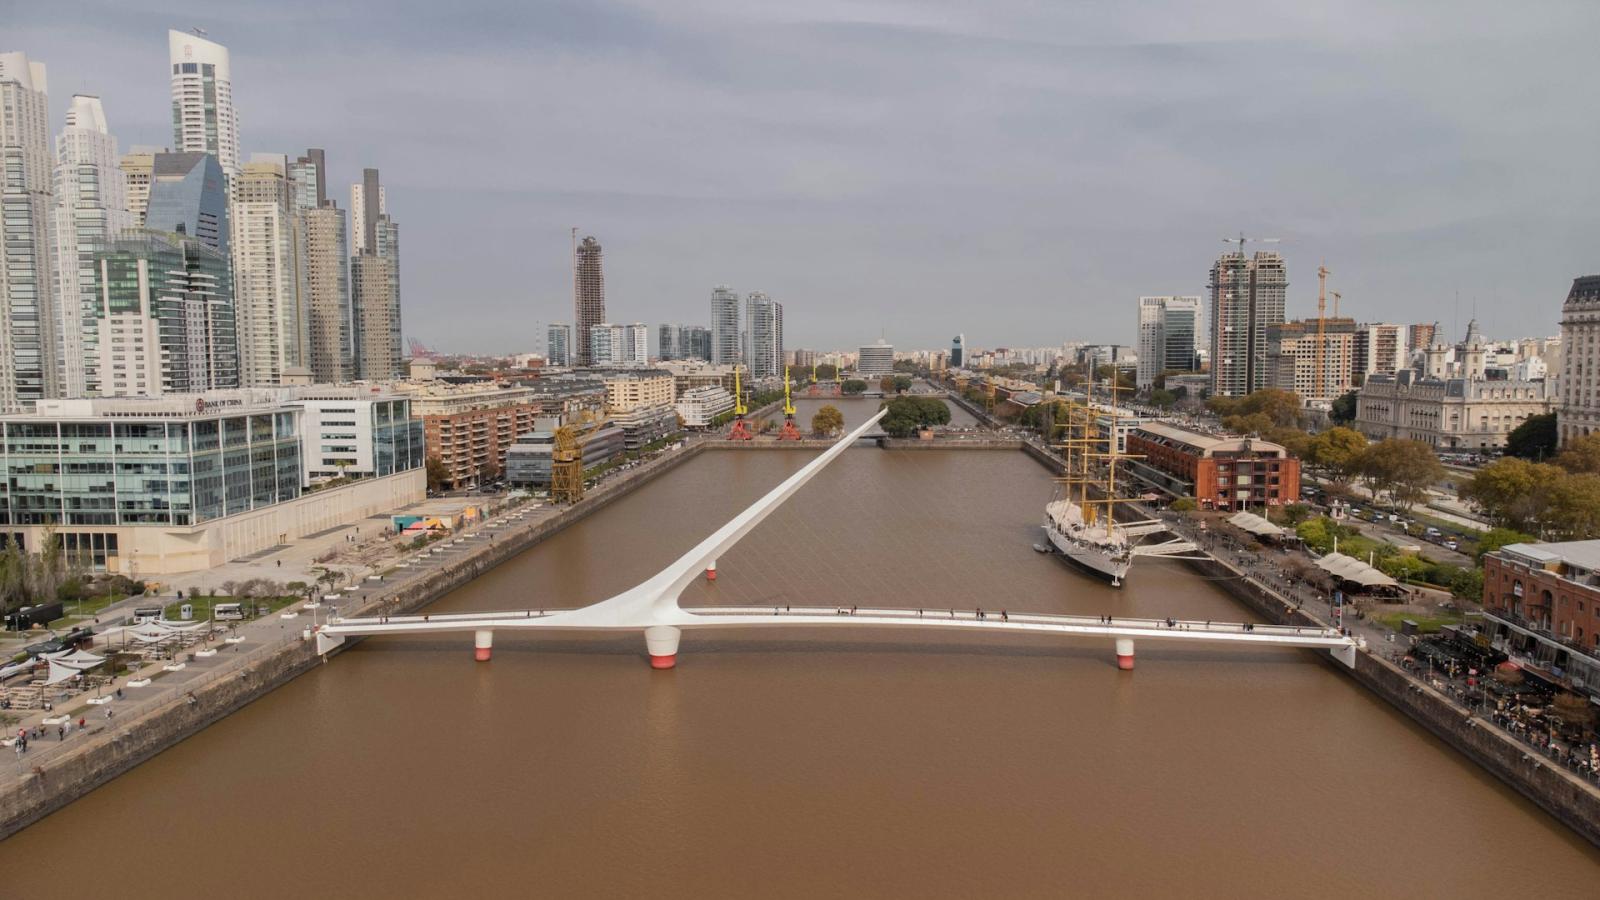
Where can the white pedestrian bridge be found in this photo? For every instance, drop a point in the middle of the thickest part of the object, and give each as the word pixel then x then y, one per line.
pixel 651 608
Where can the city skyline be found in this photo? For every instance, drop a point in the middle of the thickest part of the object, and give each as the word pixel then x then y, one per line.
pixel 878 205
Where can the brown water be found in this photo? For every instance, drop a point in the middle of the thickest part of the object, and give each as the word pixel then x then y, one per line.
pixel 812 764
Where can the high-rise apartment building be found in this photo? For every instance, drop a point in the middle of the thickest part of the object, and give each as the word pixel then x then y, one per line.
pixel 588 298
pixel 28 371
pixel 137 166
pixel 667 342
pixel 958 351
pixel 160 318
pixel 325 304
pixel 606 344
pixel 1295 364
pixel 1579 410
pixel 1247 295
pixel 635 344
pixel 558 345
pixel 763 335
pixel 727 341
pixel 1168 337
pixel 1380 349
pixel 694 342
pixel 203 120
pixel 268 276
pixel 189 196
pixel 875 360
pixel 375 282
pixel 1421 336
pixel 91 209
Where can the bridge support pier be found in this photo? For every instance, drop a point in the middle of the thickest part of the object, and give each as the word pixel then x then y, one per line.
pixel 711 571
pixel 661 641
pixel 483 645
pixel 1125 654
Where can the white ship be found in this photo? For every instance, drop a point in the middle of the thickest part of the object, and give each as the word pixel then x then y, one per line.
pixel 1084 528
pixel 1100 547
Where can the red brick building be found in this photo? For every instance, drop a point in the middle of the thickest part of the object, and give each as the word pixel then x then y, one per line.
pixel 1219 471
pixel 1543 601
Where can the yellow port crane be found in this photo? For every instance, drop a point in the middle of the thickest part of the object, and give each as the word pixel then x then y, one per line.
pixel 1322 329
pixel 566 467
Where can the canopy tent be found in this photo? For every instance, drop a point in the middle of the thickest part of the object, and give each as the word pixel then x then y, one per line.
pixel 64 666
pixel 151 632
pixel 1255 525
pixel 1348 568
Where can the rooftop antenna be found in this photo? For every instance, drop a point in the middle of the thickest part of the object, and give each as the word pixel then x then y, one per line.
pixel 198 30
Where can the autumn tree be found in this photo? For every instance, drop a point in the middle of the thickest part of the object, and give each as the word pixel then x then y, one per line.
pixel 1337 453
pixel 1512 491
pixel 1403 468
pixel 437 473
pixel 828 420
pixel 1579 456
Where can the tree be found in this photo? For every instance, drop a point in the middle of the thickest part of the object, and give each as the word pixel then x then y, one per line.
pixel 1404 468
pixel 827 372
pixel 907 414
pixel 902 383
pixel 1294 440
pixel 1579 456
pixel 886 384
pixel 828 420
pixel 438 473
pixel 489 471
pixel 1535 438
pixel 1163 398
pixel 1337 453
pixel 1495 538
pixel 1467 584
pixel 853 386
pixel 1183 505
pixel 1282 408
pixel 1513 492
pixel 1343 411
pixel 13 576
pixel 1574 510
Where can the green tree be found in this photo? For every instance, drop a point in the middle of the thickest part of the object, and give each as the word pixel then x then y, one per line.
pixel 907 414
pixel 1162 398
pixel 828 420
pixel 1535 438
pixel 1337 453
pixel 437 473
pixel 1280 408
pixel 1468 584
pixel 853 386
pixel 1184 505
pixel 1343 410
pixel 902 383
pixel 827 372
pixel 1403 468
pixel 1574 510
pixel 14 577
pixel 1495 538
pixel 1579 456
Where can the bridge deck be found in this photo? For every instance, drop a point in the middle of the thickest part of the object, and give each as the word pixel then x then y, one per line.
pixel 967 619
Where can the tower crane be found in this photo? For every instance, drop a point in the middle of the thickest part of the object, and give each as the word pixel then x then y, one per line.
pixel 1322 328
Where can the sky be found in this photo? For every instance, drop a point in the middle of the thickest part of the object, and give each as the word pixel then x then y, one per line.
pixel 1020 172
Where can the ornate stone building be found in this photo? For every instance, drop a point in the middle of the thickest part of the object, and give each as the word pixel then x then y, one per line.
pixel 1580 368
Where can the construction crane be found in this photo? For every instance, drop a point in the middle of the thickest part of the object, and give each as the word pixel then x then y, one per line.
pixel 740 431
pixel 1336 297
pixel 1322 328
pixel 566 467
pixel 789 432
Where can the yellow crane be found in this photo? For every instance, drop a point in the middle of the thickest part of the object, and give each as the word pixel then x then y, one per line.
pixel 740 431
pixel 566 467
pixel 1322 329
pixel 790 432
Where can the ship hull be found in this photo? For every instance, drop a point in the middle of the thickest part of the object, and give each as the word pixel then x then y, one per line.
pixel 1089 558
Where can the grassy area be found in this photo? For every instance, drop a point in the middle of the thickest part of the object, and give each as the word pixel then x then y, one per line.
pixel 81 610
pixel 203 605
pixel 1427 624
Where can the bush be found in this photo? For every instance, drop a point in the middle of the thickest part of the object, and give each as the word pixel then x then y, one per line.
pixel 1184 504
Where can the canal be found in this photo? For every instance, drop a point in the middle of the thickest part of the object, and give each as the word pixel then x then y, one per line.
pixel 808 764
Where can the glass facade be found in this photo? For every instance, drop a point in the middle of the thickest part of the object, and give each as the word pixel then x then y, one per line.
pixel 147 471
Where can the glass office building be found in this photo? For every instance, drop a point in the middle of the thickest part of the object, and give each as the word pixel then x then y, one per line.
pixel 148 461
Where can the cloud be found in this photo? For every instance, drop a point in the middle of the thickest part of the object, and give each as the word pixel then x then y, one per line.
pixel 1017 171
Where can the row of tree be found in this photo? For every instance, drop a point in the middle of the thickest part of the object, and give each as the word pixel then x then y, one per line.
pixel 1557 500
pixel 908 414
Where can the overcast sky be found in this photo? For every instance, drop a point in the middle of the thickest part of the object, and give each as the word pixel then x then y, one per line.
pixel 1021 172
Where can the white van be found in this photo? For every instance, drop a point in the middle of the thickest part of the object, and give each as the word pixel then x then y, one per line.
pixel 226 611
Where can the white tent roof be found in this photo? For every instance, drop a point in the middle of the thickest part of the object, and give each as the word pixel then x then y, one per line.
pixel 64 667
pixel 1255 525
pixel 1351 569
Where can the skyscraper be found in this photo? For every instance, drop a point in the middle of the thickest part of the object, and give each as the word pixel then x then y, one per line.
pixel 763 335
pixel 268 276
pixel 727 342
pixel 588 298
pixel 635 344
pixel 203 120
pixel 330 333
pixel 958 351
pixel 694 342
pixel 160 318
pixel 375 282
pixel 189 196
pixel 91 208
pixel 136 167
pixel 27 296
pixel 1168 336
pixel 1247 295
pixel 667 341
pixel 558 345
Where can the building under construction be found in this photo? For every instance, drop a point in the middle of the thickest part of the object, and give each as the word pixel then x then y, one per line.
pixel 588 297
pixel 1247 295
pixel 1295 364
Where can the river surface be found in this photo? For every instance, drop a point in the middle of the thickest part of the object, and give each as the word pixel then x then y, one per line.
pixel 812 763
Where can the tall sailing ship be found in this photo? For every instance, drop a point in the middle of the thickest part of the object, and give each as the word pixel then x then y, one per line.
pixel 1080 521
